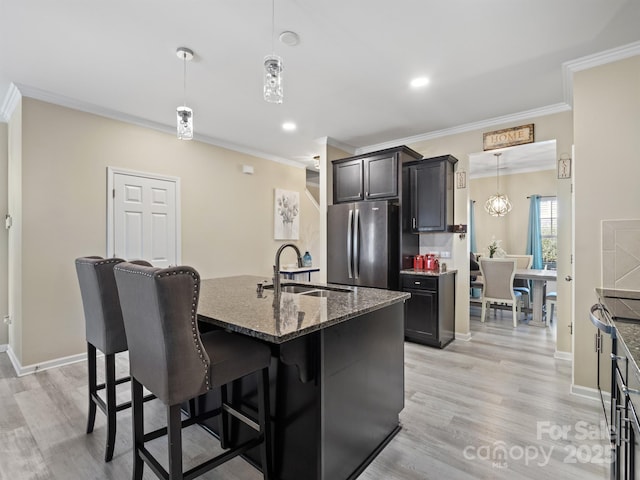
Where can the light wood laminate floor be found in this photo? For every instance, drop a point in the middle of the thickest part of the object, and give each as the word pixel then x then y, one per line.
pixel 495 407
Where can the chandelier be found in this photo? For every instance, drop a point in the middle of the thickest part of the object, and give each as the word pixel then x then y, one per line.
pixel 497 205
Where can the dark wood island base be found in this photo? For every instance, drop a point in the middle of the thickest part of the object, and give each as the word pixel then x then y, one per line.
pixel 337 393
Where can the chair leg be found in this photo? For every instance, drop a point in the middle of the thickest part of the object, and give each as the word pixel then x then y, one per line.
pixel 137 416
pixel 264 416
pixel 551 313
pixel 110 387
pixel 224 418
pixel 514 311
pixel 174 438
pixel 91 366
pixel 484 310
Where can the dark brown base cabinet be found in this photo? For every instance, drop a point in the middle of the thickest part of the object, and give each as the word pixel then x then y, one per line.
pixel 430 312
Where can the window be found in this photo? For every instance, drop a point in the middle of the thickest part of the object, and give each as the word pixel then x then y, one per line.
pixel 549 231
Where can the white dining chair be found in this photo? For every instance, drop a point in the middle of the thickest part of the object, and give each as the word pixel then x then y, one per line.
pixel 497 275
pixel 519 284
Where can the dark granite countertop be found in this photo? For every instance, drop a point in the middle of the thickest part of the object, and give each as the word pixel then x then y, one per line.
pixel 428 273
pixel 232 303
pixel 623 308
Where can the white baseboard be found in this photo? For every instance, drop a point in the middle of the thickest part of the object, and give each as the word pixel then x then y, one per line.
pixel 3 348
pixel 38 367
pixel 586 392
pixel 465 337
pixel 563 355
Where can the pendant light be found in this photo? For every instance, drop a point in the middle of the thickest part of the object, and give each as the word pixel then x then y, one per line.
pixel 497 205
pixel 273 69
pixel 183 113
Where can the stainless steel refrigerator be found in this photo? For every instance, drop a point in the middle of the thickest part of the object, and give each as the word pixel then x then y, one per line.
pixel 363 243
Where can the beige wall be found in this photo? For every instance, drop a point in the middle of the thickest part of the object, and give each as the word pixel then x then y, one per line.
pixel 4 235
pixel 227 216
pixel 607 169
pixel 14 193
pixel 511 229
pixel 557 126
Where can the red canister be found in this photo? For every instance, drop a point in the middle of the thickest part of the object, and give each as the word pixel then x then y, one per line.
pixel 431 262
pixel 418 262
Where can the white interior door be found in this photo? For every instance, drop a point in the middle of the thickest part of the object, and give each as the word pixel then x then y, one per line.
pixel 144 215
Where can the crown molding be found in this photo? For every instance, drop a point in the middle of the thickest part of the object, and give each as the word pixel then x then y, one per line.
pixel 469 127
pixel 568 69
pixel 74 104
pixel 10 102
pixel 591 61
pixel 345 147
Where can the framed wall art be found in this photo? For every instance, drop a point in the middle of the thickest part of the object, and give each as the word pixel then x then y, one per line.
pixel 286 216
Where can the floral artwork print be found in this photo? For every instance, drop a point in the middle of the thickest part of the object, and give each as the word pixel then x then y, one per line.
pixel 286 216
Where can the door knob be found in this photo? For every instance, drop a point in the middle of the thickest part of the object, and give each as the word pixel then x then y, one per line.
pixel 568 278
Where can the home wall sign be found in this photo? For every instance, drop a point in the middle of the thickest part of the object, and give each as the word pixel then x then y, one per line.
pixel 508 137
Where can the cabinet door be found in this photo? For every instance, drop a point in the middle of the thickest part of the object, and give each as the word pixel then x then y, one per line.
pixel 381 177
pixel 428 197
pixel 347 181
pixel 421 314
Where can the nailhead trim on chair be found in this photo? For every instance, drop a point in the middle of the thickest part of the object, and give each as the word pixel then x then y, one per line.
pixel 194 322
pixel 103 262
pixel 194 315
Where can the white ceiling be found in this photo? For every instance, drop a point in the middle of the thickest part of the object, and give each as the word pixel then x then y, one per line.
pixel 348 79
pixel 530 157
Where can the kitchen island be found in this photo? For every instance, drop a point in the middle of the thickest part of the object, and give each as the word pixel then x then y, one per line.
pixel 337 369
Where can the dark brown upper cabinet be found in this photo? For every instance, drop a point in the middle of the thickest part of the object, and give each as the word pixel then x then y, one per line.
pixel 430 194
pixel 372 176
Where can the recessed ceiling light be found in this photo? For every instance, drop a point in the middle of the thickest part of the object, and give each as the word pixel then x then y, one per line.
pixel 419 82
pixel 289 126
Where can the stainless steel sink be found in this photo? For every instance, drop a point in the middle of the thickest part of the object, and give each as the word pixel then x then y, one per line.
pixel 297 288
pixel 320 293
pixel 311 290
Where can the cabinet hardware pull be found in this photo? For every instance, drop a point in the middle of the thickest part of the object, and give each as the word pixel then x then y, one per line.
pixel 416 283
pixel 618 425
pixel 413 222
pixel 627 390
pixel 618 357
pixel 625 426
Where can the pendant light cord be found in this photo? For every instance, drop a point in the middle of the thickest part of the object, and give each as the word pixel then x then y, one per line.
pixel 184 78
pixel 497 171
pixel 273 22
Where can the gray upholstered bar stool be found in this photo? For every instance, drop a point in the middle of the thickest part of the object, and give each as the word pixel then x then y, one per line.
pixel 170 357
pixel 104 332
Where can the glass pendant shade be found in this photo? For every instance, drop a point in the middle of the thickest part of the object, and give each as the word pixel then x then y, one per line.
pixel 273 79
pixel 498 205
pixel 184 115
pixel 185 123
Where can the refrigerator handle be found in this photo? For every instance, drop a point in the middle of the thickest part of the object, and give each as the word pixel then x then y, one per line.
pixel 356 247
pixel 349 243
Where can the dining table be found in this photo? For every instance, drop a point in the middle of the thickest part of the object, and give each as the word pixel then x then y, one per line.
pixel 538 278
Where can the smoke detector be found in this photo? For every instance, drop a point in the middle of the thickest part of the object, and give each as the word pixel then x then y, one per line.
pixel 290 38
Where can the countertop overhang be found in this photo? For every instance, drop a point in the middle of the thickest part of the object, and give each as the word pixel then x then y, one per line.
pixel 620 304
pixel 233 303
pixel 427 273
